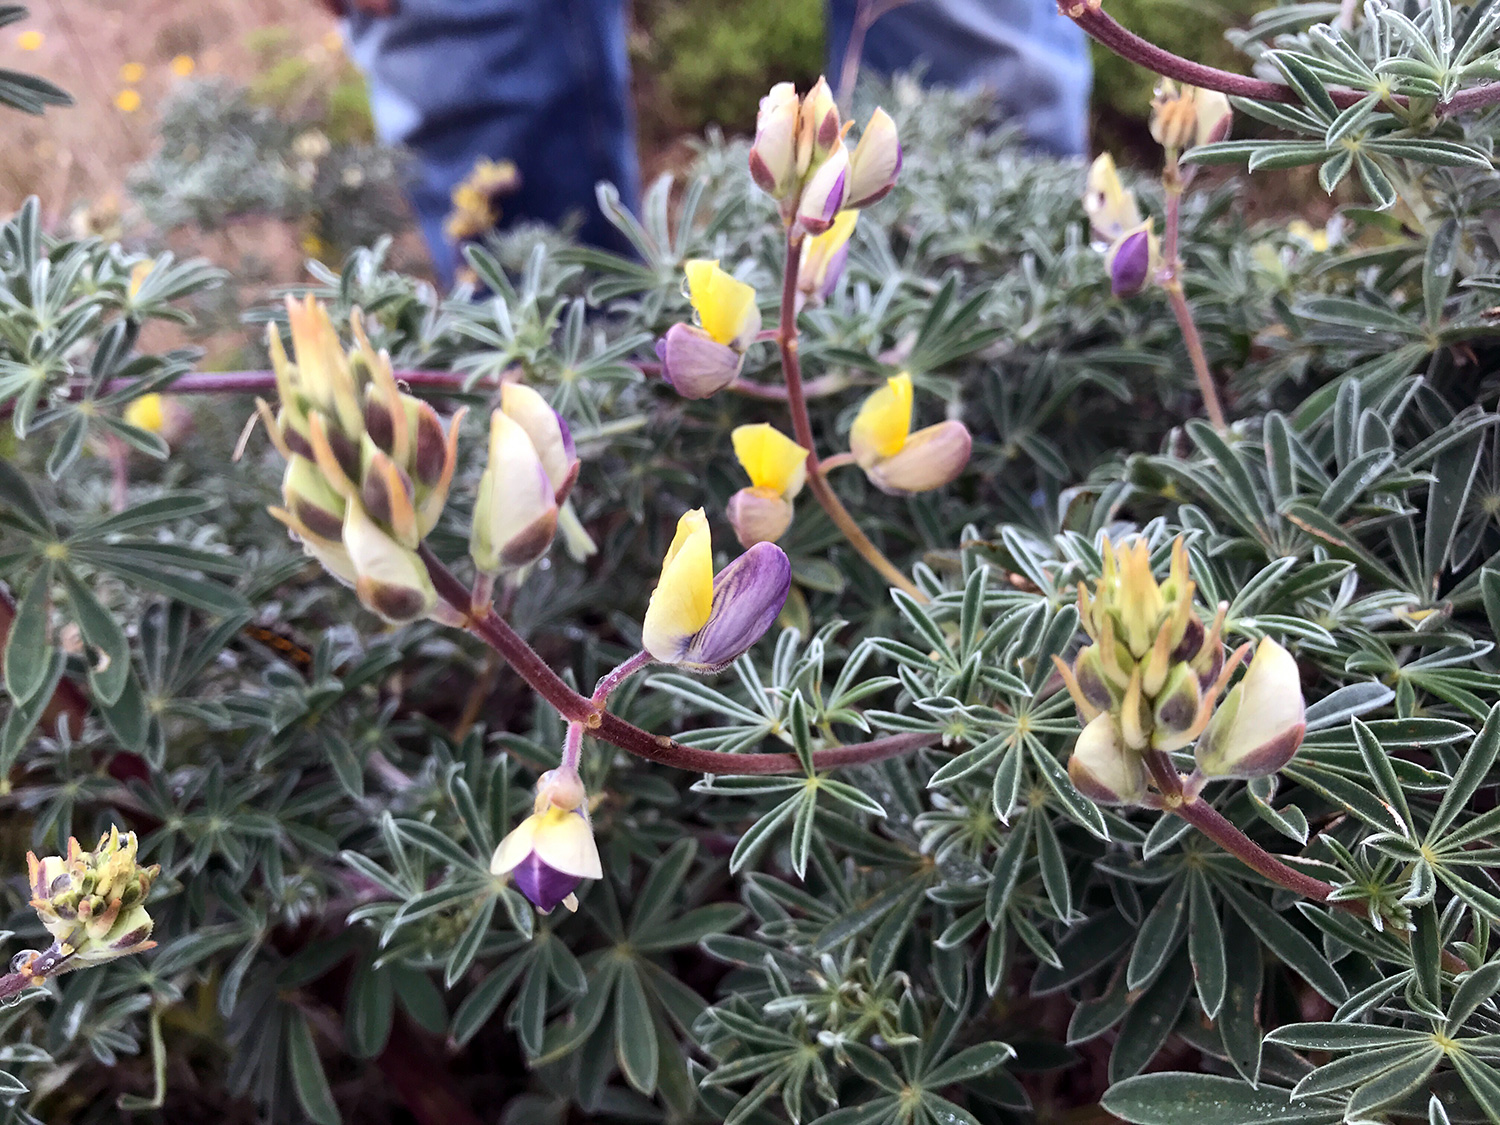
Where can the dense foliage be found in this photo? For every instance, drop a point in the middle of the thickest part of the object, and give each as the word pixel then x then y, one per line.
pixel 954 934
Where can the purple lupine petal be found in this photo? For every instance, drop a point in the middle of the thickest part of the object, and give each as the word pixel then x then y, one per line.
pixel 748 594
pixel 834 271
pixel 695 363
pixel 544 886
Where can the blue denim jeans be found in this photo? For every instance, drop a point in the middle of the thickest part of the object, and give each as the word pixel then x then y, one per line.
pixel 1034 60
pixel 542 83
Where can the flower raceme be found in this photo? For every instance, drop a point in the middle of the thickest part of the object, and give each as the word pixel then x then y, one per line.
pixel 552 851
pixel 368 466
pixel 799 157
pixel 531 469
pixel 777 468
pixel 702 621
pixel 93 903
pixel 701 361
pixel 1151 677
pixel 899 461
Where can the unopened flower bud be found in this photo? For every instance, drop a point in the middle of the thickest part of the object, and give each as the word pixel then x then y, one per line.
pixel 1103 769
pixel 1185 116
pixel 819 129
pixel 317 507
pixel 1131 260
pixel 389 578
pixel 1215 117
pixel 1088 670
pixel 515 509
pixel 549 434
pixel 823 196
pixel 695 363
pixel 876 162
pixel 1260 724
pixel 773 155
pixel 1175 709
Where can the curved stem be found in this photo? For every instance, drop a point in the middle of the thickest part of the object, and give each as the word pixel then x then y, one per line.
pixel 1171 282
pixel 791 366
pixel 618 675
pixel 1212 823
pixel 484 623
pixel 1092 18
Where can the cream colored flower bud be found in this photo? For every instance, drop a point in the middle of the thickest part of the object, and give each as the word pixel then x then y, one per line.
pixel 1260 724
pixel 388 577
pixel 1103 769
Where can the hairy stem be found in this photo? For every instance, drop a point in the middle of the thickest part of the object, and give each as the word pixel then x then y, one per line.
pixel 1208 820
pixel 1088 15
pixel 791 366
pixel 607 727
pixel 1171 282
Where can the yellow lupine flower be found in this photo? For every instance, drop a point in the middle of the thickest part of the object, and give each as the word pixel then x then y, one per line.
pixel 30 40
pixel 183 66
pixel 682 599
pixel 772 460
pixel 127 101
pixel 147 412
pixel 131 73
pixel 725 305
pixel 883 423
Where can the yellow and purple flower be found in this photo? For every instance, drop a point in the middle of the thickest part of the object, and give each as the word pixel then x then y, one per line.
pixel 552 851
pixel 899 461
pixel 701 361
pixel 777 468
pixel 823 259
pixel 702 621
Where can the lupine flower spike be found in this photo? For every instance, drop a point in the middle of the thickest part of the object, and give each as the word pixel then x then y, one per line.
pixel 93 903
pixel 552 851
pixel 799 157
pixel 899 461
pixel 1151 677
pixel 701 621
pixel 701 361
pixel 368 466
pixel 777 467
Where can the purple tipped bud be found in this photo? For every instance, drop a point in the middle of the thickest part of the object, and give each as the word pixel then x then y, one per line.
pixel 545 887
pixel 876 162
pixel 773 155
pixel 1129 260
pixel 1260 724
pixel 1103 769
pixel 1088 669
pixel 1175 709
pixel 823 196
pixel 696 364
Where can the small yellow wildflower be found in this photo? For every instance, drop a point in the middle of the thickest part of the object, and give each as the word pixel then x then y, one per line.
pixel 128 101
pixel 30 40
pixel 183 66
pixel 131 73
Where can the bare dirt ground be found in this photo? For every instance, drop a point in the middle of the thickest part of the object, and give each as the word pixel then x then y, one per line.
pixel 119 59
